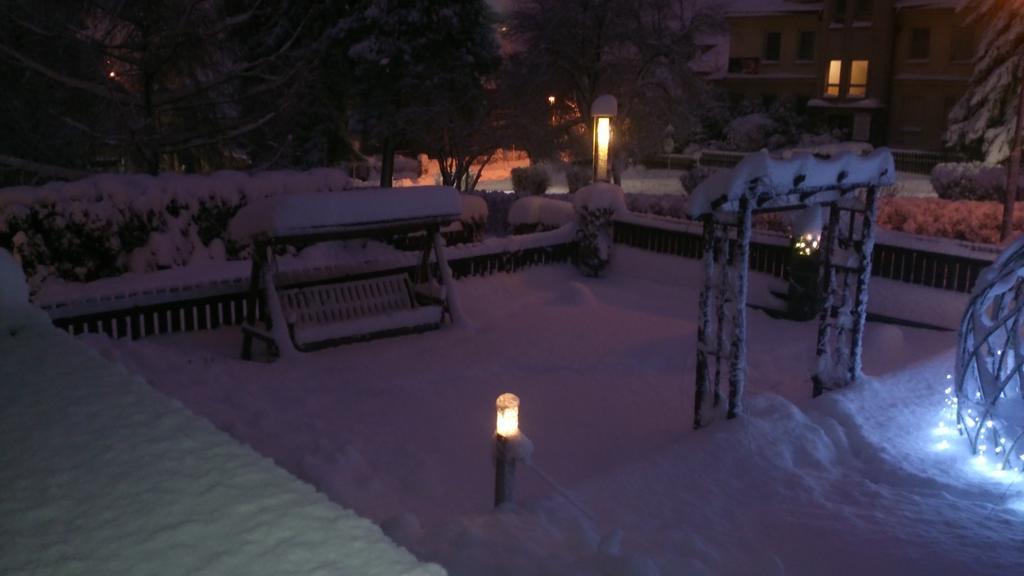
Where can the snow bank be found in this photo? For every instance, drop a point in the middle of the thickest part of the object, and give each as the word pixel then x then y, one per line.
pixel 600 196
pixel 537 210
pixel 474 208
pixel 769 176
pixel 103 475
pixel 306 213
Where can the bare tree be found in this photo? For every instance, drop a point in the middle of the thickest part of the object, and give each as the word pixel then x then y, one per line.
pixel 147 85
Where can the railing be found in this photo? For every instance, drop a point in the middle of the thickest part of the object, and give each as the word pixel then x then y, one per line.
pixel 769 253
pixel 909 161
pixel 222 303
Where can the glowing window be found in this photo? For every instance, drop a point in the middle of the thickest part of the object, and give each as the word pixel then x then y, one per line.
pixel 835 68
pixel 858 79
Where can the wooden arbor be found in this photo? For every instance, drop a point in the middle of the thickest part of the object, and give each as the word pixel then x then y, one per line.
pixel 726 203
pixel 313 312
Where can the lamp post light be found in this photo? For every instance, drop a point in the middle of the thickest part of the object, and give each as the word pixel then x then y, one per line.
pixel 603 111
pixel 506 432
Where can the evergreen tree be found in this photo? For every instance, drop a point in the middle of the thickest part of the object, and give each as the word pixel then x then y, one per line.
pixel 983 120
pixel 418 69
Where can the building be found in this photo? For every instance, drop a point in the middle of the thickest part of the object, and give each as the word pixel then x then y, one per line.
pixel 884 71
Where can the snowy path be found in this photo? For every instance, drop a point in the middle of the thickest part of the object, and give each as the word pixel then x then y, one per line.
pixel 400 431
pixel 101 475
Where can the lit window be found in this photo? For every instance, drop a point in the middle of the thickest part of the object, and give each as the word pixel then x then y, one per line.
pixel 835 68
pixel 858 79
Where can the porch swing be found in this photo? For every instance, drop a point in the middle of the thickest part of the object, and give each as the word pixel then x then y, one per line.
pixel 306 310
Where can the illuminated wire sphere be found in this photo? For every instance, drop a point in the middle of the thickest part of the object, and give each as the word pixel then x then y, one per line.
pixel 990 363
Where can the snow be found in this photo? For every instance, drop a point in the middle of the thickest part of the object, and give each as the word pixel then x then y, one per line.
pixel 402 319
pixel 104 475
pixel 324 212
pixel 474 208
pixel 401 430
pixel 547 212
pixel 600 196
pixel 775 177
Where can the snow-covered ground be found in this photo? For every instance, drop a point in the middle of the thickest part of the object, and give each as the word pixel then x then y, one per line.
pixel 400 430
pixel 100 474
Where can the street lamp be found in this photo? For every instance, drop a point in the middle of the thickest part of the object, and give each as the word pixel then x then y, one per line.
pixel 603 111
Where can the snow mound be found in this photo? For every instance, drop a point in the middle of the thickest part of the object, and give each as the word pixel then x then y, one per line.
pixel 474 208
pixel 765 176
pixel 104 475
pixel 533 210
pixel 598 196
pixel 323 212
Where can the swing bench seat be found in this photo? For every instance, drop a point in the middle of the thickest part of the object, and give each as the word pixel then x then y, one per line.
pixel 328 314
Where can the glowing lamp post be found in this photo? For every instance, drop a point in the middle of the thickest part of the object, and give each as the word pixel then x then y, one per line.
pixel 603 111
pixel 504 458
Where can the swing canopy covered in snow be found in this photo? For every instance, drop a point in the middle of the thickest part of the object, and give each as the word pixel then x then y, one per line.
pixel 314 313
pixel 990 362
pixel 725 203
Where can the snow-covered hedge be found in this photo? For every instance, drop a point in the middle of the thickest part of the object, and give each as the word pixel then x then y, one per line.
pixel 106 225
pixel 530 180
pixel 957 219
pixel 539 213
pixel 969 181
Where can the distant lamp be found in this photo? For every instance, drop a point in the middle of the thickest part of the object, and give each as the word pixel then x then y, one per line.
pixel 508 415
pixel 551 100
pixel 603 111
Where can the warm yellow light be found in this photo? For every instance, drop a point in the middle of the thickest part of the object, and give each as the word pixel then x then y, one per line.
pixel 508 415
pixel 603 134
pixel 113 74
pixel 835 69
pixel 858 78
pixel 551 100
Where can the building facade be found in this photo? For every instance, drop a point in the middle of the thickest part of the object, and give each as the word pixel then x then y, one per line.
pixel 883 71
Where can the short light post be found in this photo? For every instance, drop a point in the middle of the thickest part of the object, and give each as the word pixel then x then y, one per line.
pixel 506 432
pixel 603 111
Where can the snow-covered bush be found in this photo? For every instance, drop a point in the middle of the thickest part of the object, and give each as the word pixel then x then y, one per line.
pixel 692 177
pixel 473 218
pixel 106 225
pixel 577 177
pixel 960 220
pixel 596 206
pixel 664 205
pixel 969 181
pixel 750 132
pixel 530 180
pixel 538 213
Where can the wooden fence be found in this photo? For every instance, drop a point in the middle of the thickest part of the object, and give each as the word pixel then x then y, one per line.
pixel 908 265
pixel 223 303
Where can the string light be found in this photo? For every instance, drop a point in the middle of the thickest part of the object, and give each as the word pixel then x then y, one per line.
pixel 807 244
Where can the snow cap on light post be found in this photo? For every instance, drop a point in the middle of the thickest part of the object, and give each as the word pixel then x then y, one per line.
pixel 603 111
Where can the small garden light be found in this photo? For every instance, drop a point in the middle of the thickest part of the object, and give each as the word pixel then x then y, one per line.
pixel 506 435
pixel 508 415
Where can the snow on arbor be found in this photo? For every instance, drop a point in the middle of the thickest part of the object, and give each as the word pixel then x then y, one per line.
pixel 726 202
pixel 990 363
